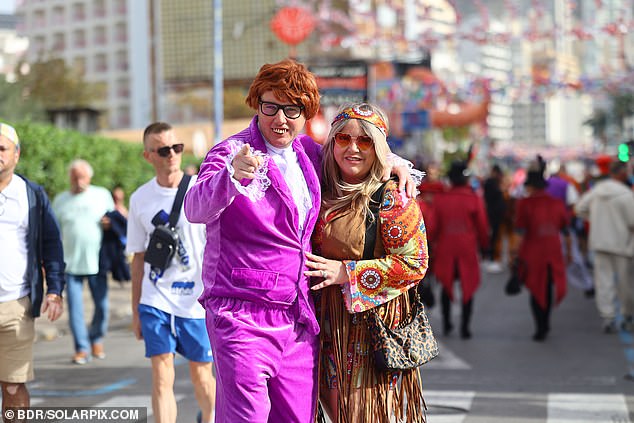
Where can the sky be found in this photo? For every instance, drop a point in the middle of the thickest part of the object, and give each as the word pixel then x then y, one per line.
pixel 7 6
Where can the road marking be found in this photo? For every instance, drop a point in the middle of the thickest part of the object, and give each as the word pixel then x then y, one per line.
pixel 106 389
pixel 628 348
pixel 446 360
pixel 133 401
pixel 595 408
pixel 448 406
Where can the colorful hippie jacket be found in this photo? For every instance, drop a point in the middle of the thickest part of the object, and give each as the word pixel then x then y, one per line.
pixel 400 264
pixel 402 253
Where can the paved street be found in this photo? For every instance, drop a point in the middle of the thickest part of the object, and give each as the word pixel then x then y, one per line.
pixel 499 376
pixel 502 375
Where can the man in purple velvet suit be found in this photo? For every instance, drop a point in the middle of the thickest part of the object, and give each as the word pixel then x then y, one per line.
pixel 258 193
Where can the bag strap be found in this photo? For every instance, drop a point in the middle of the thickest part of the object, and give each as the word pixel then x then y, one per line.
pixel 371 223
pixel 178 201
pixel 370 242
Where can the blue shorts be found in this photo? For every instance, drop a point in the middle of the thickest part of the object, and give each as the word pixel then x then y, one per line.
pixel 188 338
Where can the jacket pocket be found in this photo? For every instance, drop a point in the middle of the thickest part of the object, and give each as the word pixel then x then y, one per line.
pixel 254 279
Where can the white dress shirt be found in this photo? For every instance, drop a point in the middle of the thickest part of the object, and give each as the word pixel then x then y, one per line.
pixel 286 160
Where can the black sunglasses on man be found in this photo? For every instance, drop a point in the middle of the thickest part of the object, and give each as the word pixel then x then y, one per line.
pixel 165 151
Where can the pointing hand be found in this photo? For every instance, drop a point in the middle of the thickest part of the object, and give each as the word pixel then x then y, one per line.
pixel 245 163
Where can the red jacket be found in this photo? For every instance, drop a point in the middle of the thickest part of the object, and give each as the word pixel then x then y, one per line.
pixel 460 228
pixel 542 218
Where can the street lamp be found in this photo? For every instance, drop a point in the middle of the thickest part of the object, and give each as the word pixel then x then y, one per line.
pixel 218 74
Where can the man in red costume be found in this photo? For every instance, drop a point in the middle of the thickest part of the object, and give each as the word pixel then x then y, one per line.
pixel 539 219
pixel 461 228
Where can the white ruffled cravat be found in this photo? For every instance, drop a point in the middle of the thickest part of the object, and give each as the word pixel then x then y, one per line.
pixel 286 160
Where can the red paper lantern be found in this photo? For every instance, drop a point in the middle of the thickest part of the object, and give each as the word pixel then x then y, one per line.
pixel 292 25
pixel 317 128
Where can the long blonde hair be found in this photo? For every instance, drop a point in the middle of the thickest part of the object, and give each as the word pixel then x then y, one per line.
pixel 339 195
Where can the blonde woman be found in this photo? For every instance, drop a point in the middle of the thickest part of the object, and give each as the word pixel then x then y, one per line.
pixel 354 160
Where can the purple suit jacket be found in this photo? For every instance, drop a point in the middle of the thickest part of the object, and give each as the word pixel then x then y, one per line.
pixel 254 250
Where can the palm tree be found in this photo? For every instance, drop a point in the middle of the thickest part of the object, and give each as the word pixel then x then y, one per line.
pixel 622 107
pixel 599 124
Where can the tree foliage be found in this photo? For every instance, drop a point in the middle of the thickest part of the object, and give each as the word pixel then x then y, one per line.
pixel 47 151
pixel 14 107
pixel 598 122
pixel 55 85
pixel 622 107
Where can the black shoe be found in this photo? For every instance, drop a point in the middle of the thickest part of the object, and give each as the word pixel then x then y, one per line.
pixel 589 293
pixel 610 327
pixel 540 336
pixel 447 328
pixel 465 333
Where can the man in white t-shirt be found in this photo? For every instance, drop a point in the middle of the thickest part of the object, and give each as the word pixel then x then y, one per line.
pixel 32 253
pixel 165 308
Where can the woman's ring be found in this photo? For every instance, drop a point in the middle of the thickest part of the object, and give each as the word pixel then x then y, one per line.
pixel 324 274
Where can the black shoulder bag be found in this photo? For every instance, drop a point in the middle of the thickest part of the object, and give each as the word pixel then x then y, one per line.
pixel 412 343
pixel 164 239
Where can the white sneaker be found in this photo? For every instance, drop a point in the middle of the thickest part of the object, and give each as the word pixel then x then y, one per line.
pixel 494 267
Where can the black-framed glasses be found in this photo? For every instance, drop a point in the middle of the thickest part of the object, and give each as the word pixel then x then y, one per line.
pixel 165 151
pixel 291 111
pixel 364 142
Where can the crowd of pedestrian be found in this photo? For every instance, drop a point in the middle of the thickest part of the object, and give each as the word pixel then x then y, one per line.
pixel 260 267
pixel 549 230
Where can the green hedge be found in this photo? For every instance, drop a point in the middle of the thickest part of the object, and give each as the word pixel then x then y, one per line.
pixel 46 152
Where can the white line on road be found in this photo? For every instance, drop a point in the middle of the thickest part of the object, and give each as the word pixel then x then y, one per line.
pixel 595 408
pixel 448 406
pixel 446 360
pixel 133 401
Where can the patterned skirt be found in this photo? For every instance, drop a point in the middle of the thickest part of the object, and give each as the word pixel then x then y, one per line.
pixel 365 394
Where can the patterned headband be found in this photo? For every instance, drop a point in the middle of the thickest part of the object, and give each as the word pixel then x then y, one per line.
pixel 362 112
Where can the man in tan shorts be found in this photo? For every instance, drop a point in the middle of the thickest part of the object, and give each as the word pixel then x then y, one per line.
pixel 30 239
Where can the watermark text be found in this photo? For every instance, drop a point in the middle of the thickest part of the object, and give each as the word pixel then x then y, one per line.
pixel 76 414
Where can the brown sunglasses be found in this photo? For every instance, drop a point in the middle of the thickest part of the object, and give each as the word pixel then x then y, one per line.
pixel 364 142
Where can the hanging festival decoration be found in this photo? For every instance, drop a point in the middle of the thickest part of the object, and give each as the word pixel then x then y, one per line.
pixel 292 25
pixel 452 3
pixel 358 27
pixel 511 9
pixel 317 128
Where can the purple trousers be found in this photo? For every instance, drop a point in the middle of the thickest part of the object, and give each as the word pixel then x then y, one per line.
pixel 266 363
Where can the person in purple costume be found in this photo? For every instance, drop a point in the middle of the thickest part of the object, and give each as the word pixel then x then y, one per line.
pixel 258 193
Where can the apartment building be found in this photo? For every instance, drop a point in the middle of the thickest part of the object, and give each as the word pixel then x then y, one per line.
pixel 153 59
pixel 12 47
pixel 100 39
